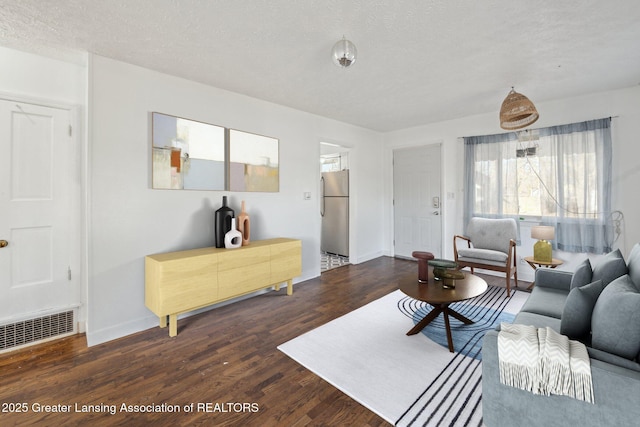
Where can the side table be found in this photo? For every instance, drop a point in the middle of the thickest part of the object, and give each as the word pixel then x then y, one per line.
pixel 535 264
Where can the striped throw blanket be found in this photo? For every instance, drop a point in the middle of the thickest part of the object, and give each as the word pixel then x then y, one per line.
pixel 542 361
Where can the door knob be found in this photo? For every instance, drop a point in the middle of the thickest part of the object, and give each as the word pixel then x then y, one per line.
pixel 3 243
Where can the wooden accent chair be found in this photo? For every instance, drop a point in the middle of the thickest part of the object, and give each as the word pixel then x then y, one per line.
pixel 491 245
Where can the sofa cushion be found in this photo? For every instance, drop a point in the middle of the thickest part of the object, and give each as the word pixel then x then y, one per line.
pixel 615 323
pixel 537 320
pixel 582 275
pixel 634 265
pixel 553 278
pixel 603 356
pixel 576 315
pixel 609 268
pixel 546 301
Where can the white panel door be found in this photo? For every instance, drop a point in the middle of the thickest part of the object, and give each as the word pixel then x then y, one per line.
pixel 36 173
pixel 417 200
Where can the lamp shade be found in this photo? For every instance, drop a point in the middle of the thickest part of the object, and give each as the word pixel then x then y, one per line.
pixel 517 111
pixel 543 232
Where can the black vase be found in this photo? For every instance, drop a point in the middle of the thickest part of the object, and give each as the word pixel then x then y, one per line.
pixel 222 222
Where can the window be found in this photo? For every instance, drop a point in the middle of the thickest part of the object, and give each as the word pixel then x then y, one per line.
pixel 559 175
pixel 334 162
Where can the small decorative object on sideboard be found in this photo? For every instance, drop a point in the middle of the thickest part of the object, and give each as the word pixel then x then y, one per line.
pixel 222 224
pixel 233 238
pixel 244 225
pixel 446 271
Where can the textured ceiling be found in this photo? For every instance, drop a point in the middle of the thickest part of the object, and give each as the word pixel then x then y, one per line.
pixel 419 61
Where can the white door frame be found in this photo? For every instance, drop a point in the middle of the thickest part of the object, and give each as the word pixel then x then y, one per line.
pixel 79 201
pixel 391 150
pixel 353 243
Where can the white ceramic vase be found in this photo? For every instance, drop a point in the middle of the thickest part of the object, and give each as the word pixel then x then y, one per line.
pixel 233 238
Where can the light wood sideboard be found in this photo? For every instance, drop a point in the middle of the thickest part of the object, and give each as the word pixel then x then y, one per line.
pixel 178 282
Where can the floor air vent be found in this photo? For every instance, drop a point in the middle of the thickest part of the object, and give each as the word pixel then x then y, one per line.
pixel 33 330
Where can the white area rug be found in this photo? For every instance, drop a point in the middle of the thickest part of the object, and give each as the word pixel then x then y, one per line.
pixel 407 380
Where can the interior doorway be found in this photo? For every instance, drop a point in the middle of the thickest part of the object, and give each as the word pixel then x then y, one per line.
pixel 417 201
pixel 334 206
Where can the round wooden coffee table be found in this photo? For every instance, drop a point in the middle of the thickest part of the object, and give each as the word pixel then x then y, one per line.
pixel 433 293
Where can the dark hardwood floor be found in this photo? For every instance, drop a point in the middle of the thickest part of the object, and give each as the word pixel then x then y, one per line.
pixel 224 361
pixel 224 356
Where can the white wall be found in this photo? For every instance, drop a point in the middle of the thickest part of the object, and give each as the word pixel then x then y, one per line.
pixel 623 105
pixel 37 77
pixel 129 220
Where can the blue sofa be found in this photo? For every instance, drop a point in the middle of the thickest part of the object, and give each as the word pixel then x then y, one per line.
pixel 598 306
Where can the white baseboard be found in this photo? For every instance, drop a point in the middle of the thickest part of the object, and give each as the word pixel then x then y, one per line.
pixel 366 257
pixel 123 329
pixel 120 330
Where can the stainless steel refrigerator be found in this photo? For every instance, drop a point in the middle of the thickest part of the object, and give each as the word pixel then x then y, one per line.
pixel 334 208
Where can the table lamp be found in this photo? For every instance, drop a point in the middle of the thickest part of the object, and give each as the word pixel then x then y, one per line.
pixel 542 248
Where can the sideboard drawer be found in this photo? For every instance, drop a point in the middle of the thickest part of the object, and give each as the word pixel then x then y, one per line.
pixel 232 259
pixel 181 284
pixel 285 261
pixel 242 280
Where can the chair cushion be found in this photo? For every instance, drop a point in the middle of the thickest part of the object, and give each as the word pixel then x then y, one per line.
pixel 483 254
pixel 609 268
pixel 583 274
pixel 576 315
pixel 494 234
pixel 615 323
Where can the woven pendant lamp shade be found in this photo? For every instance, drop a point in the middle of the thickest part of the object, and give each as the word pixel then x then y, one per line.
pixel 517 111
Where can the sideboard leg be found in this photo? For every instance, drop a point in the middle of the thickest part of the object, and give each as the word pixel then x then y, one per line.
pixel 173 325
pixel 163 321
pixel 290 287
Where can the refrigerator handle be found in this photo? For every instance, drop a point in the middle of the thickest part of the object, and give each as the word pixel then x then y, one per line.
pixel 322 196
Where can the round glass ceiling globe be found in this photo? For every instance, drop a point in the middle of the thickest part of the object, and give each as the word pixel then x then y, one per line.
pixel 344 53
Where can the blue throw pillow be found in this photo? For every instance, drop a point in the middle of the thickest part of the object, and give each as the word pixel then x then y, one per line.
pixel 610 267
pixel 615 323
pixel 582 275
pixel 578 307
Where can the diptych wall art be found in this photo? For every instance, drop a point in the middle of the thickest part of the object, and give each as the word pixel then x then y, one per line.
pixel 191 155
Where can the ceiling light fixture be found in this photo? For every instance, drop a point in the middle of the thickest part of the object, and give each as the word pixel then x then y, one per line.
pixel 517 111
pixel 344 53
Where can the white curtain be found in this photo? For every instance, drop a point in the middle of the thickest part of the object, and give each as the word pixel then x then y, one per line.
pixel 562 177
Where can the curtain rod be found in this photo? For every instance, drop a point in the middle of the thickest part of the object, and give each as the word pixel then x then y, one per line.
pixel 516 131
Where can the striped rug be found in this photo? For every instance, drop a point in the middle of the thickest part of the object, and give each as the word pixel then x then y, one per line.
pixel 453 397
pixel 487 311
pixel 407 380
